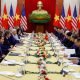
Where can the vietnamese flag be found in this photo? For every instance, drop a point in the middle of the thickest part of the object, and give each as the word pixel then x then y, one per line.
pixel 5 18
pixel 56 18
pixel 17 18
pixel 79 19
pixel 69 20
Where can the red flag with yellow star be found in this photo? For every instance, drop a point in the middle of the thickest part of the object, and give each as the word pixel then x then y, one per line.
pixel 79 19
pixel 5 18
pixel 17 18
pixel 56 18
pixel 69 20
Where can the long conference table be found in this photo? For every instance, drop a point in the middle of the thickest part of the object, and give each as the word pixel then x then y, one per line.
pixel 10 71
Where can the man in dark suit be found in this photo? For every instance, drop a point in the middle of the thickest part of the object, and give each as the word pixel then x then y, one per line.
pixel 1 47
pixel 13 41
pixel 76 46
pixel 75 58
pixel 67 40
pixel 6 41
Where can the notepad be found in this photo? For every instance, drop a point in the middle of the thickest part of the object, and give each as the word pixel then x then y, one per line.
pixel 76 75
pixel 14 54
pixel 69 51
pixel 69 70
pixel 7 73
pixel 11 62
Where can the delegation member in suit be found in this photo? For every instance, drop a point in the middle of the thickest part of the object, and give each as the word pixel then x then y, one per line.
pixel 2 52
pixel 6 43
pixel 76 46
pixel 19 33
pixel 14 34
pixel 67 40
pixel 14 39
pixel 60 34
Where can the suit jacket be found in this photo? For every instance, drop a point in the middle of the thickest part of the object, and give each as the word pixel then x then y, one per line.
pixel 0 50
pixel 12 40
pixel 6 43
pixel 66 42
pixel 79 62
pixel 77 49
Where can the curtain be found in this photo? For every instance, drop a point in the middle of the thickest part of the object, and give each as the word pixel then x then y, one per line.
pixel 49 5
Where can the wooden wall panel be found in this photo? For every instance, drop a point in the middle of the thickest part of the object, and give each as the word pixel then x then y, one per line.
pixel 20 3
pixel 60 4
pixel 0 7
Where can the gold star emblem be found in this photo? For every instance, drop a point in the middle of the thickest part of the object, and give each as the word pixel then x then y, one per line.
pixel 56 17
pixel 68 18
pixel 5 16
pixel 17 17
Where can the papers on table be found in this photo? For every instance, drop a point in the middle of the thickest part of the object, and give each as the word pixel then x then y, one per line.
pixel 48 48
pixel 17 54
pixel 69 51
pixel 48 45
pixel 11 62
pixel 76 75
pixel 69 70
pixel 57 44
pixel 71 64
pixel 7 73
pixel 14 54
pixel 34 48
pixel 18 75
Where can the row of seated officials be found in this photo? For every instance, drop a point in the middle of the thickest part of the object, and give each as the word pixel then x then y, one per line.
pixel 71 41
pixel 8 39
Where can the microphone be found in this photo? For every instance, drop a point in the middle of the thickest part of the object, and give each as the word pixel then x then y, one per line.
pixel 63 72
pixel 58 63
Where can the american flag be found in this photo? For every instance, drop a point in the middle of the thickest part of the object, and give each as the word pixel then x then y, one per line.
pixel 62 18
pixel 11 18
pixel 23 21
pixel 0 22
pixel 74 20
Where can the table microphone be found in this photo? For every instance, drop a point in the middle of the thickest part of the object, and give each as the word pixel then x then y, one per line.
pixel 63 72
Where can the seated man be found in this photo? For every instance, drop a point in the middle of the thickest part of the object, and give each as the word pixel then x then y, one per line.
pixel 2 51
pixel 76 46
pixel 56 31
pixel 67 40
pixel 60 34
pixel 19 33
pixel 14 34
pixel 77 54
pixel 7 43
pixel 13 39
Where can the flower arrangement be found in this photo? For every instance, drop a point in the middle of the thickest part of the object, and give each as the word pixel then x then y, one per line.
pixel 41 53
